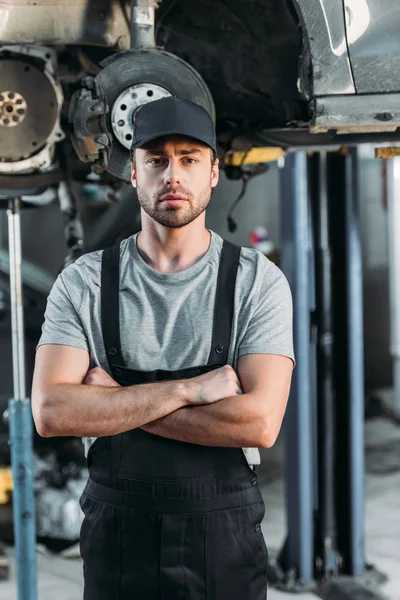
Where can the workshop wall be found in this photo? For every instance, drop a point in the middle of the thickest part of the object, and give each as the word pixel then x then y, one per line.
pixel 260 206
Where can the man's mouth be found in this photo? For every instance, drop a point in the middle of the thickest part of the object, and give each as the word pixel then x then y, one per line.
pixel 169 197
pixel 173 198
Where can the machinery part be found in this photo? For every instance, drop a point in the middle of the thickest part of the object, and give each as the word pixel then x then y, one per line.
pixel 58 514
pixel 5 485
pixel 90 22
pixel 30 105
pixel 301 139
pixel 20 421
pixel 296 558
pixel 253 156
pixel 126 105
pixel 153 71
pixel 58 488
pixel 348 588
pixel 33 276
pixel 4 564
pixel 73 227
pixel 87 111
pixel 328 560
pixel 348 359
pixel 12 109
pixel 19 185
pixel 324 49
pixel 393 223
pixel 373 42
pixel 356 114
pixel 142 23
pixel 392 152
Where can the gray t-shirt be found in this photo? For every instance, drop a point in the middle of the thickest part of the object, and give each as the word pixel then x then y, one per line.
pixel 166 319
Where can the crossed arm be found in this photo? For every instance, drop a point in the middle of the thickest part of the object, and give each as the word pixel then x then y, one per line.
pixel 252 419
pixel 67 400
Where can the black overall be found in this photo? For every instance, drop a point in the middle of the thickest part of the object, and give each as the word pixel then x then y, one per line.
pixel 168 520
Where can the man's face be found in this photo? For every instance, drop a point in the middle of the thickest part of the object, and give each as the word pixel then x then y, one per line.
pixel 174 178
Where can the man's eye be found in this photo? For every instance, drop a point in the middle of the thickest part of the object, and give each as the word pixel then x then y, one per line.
pixel 156 161
pixel 191 161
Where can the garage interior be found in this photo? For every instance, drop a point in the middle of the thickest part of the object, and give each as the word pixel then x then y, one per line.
pixel 309 144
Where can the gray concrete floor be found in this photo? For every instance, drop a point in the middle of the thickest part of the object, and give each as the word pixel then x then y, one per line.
pixel 61 578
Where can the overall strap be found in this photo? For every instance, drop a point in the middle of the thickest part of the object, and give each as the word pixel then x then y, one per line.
pixel 224 304
pixel 110 306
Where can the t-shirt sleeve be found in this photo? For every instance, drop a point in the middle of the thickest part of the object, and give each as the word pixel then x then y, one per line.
pixel 62 324
pixel 270 329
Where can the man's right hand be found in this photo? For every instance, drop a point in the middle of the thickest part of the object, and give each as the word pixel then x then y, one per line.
pixel 215 385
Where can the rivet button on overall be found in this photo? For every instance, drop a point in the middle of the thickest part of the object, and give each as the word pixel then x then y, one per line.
pixel 117 371
pixel 112 351
pixel 257 527
pixel 219 349
pixel 254 481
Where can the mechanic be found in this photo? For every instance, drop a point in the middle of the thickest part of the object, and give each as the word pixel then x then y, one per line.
pixel 171 355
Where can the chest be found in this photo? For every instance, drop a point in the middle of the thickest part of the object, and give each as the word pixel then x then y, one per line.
pixel 161 326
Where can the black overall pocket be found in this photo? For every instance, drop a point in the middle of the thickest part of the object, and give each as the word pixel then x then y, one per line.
pixel 236 554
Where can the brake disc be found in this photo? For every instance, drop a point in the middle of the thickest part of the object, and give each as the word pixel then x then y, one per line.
pixel 125 107
pixel 102 113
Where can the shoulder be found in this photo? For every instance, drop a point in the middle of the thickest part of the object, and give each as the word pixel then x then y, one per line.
pixel 86 270
pixel 258 271
pixel 255 270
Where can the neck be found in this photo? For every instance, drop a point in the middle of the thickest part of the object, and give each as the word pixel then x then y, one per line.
pixel 170 250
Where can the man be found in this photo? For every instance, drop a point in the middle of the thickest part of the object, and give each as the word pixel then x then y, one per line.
pixel 172 355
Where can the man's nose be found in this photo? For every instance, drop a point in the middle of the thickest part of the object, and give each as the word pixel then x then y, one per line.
pixel 171 176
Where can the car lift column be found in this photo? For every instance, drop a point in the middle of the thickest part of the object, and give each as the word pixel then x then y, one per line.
pixel 20 423
pixel 298 554
pixel 327 558
pixel 348 359
pixel 324 437
pixel 393 185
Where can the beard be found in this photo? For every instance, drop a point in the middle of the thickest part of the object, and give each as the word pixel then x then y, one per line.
pixel 174 216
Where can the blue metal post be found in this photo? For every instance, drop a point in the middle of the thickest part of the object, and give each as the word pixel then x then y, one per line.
pixel 355 340
pixel 296 248
pixel 20 422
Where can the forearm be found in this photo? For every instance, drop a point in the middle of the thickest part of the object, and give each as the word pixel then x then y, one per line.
pixel 95 411
pixel 232 422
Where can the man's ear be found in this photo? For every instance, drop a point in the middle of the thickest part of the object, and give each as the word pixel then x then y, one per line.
pixel 215 173
pixel 133 176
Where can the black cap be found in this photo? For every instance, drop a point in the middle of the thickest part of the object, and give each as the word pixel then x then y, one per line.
pixel 172 116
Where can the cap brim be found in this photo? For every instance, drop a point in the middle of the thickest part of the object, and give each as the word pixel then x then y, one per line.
pixel 143 142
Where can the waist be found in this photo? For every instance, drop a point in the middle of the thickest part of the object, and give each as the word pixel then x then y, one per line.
pixel 187 497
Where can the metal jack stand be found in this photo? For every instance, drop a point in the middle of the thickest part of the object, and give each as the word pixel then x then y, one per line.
pixel 20 423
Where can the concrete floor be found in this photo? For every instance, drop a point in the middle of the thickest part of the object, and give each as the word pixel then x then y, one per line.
pixel 61 578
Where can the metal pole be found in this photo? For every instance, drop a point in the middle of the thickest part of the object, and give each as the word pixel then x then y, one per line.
pixel 20 422
pixel 393 175
pixel 298 552
pixel 326 523
pixel 355 341
pixel 143 23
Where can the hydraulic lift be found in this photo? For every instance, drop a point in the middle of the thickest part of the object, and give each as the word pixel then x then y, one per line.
pixel 321 256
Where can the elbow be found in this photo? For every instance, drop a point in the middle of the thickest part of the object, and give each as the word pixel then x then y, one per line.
pixel 44 426
pixel 43 417
pixel 267 437
pixel 267 441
